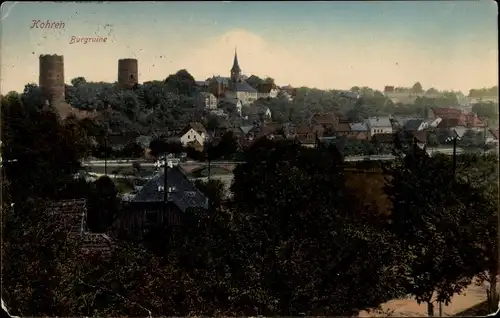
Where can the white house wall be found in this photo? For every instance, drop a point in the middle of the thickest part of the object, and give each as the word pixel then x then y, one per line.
pixel 191 136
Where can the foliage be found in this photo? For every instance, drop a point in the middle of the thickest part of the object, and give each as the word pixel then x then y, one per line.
pixel 47 153
pixel 486 110
pixel 417 88
pixel 214 189
pixel 132 150
pixel 299 239
pixel 484 92
pixel 181 83
pixel 430 206
pixel 103 205
pixel 40 261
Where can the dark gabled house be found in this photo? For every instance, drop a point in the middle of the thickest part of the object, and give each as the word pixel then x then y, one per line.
pixel 147 209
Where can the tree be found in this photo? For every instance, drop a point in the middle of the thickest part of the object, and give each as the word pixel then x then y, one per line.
pixel 213 122
pixel 291 212
pixel 485 110
pixel 417 88
pixel 484 92
pixel 182 83
pixel 269 80
pixel 40 261
pixel 226 148
pixel 430 206
pixel 133 150
pixel 213 189
pixel 254 81
pixel 48 152
pixel 78 81
pixel 103 204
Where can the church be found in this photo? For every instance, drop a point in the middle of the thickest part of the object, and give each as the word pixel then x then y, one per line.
pixel 233 88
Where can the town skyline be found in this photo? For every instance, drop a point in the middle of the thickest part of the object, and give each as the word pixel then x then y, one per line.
pixel 455 49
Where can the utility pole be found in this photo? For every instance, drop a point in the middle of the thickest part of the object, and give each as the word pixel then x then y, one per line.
pixel 106 154
pixel 165 181
pixel 454 156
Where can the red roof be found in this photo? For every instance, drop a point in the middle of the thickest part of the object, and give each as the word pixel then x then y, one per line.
pixel 324 119
pixel 439 112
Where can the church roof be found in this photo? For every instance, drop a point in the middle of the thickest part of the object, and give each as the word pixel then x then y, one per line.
pixel 236 65
pixel 243 87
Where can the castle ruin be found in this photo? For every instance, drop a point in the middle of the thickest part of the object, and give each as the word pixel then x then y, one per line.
pixel 51 83
pixel 128 74
pixel 51 78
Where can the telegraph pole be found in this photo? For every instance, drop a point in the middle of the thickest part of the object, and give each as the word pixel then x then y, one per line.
pixel 106 154
pixel 165 181
pixel 454 156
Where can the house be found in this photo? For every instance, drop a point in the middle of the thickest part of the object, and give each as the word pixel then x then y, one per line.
pixel 207 100
pixel 258 114
pixel 415 125
pixel 342 129
pixel 306 136
pixel 194 132
pixel 327 120
pixel 379 125
pixel 269 129
pixel 359 131
pixel 456 117
pixel 433 123
pixel 147 209
pixel 267 90
pixel 491 136
pixel 74 214
pixel 400 95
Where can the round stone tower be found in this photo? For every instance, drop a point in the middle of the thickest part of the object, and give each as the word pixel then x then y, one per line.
pixel 128 74
pixel 51 78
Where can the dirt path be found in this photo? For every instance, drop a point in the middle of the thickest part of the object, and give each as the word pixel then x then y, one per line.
pixel 473 295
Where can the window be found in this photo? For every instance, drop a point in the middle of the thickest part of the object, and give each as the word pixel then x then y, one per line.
pixel 190 194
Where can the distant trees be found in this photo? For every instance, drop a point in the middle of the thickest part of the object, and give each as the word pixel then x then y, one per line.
pixel 486 110
pixel 417 88
pixel 484 92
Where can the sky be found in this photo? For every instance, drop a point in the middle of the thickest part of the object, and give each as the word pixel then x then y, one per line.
pixel 449 45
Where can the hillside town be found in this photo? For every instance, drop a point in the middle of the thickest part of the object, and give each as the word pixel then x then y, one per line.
pixel 238 195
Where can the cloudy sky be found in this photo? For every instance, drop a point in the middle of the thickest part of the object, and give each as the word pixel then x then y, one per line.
pixel 447 45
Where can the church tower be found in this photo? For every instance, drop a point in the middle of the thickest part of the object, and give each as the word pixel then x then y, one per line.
pixel 235 70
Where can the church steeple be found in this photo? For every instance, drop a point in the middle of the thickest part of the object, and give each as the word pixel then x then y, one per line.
pixel 236 70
